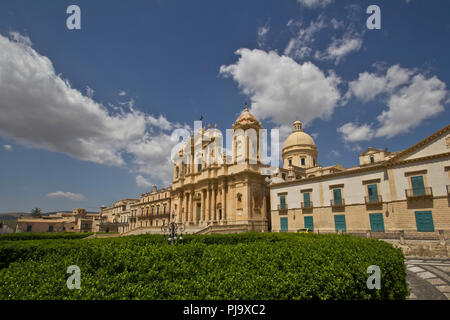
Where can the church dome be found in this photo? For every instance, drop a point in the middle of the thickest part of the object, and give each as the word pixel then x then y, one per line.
pixel 298 137
pixel 246 119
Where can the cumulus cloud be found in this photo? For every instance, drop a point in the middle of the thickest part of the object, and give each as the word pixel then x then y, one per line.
pixel 39 108
pixel 353 132
pixel 410 96
pixel 143 182
pixel 341 47
pixel 299 47
pixel 7 147
pixel 315 3
pixel 66 195
pixel 281 89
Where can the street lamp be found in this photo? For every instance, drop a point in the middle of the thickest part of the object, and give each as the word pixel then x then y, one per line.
pixel 173 228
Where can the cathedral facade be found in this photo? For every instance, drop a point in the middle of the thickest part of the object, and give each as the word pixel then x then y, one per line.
pixel 212 190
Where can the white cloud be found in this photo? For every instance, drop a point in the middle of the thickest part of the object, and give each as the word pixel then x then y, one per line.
pixel 352 132
pixel 281 89
pixel 411 105
pixel 17 37
pixel 89 92
pixel 299 47
pixel 315 3
pixel 122 93
pixel 39 108
pixel 339 48
pixel 369 85
pixel 66 195
pixel 262 34
pixel 143 182
pixel 7 147
pixel 411 98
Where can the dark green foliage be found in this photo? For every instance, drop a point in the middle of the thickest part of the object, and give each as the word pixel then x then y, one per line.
pixel 44 235
pixel 240 266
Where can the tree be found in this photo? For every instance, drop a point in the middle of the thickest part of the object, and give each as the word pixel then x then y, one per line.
pixel 36 213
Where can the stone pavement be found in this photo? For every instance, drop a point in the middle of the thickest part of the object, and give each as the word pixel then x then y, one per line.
pixel 428 279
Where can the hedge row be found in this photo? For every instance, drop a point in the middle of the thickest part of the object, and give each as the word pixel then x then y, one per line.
pixel 43 235
pixel 246 266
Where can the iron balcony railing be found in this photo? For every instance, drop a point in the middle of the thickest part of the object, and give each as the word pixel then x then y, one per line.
pixel 338 203
pixel 419 192
pixel 282 206
pixel 373 200
pixel 307 205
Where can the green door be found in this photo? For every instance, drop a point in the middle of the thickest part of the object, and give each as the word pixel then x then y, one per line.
pixel 337 196
pixel 373 192
pixel 376 222
pixel 339 222
pixel 282 202
pixel 309 223
pixel 424 221
pixel 307 200
pixel 418 185
pixel 284 224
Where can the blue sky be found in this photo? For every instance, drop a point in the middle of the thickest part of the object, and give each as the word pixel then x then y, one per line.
pixel 86 115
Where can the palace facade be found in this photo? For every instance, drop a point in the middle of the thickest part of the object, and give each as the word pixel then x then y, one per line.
pixel 387 192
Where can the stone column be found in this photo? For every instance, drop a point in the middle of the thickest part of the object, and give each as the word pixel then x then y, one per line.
pixel 180 206
pixel 224 203
pixel 208 204
pixel 186 206
pixel 213 204
pixel 191 208
pixel 203 207
pixel 264 213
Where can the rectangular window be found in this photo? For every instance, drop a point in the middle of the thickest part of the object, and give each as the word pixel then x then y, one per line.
pixel 337 196
pixel 339 222
pixel 424 221
pixel 418 185
pixel 309 223
pixel 307 199
pixel 29 228
pixel 376 222
pixel 290 162
pixel 372 159
pixel 372 190
pixel 284 224
pixel 282 202
pixel 303 161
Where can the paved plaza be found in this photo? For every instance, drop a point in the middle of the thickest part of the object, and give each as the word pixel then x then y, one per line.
pixel 428 279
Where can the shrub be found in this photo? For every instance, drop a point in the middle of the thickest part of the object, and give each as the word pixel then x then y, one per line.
pixel 240 266
pixel 43 235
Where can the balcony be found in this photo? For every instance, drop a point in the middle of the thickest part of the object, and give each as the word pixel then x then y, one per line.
pixel 338 203
pixel 283 207
pixel 307 205
pixel 374 200
pixel 418 193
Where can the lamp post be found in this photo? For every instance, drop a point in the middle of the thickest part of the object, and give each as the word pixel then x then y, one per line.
pixel 173 228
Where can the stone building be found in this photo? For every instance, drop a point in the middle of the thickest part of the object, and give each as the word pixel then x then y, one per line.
pixel 152 210
pixel 116 217
pixel 387 192
pixel 76 221
pixel 213 191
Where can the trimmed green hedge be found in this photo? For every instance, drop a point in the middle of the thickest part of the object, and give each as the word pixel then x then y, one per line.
pixel 245 266
pixel 43 235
